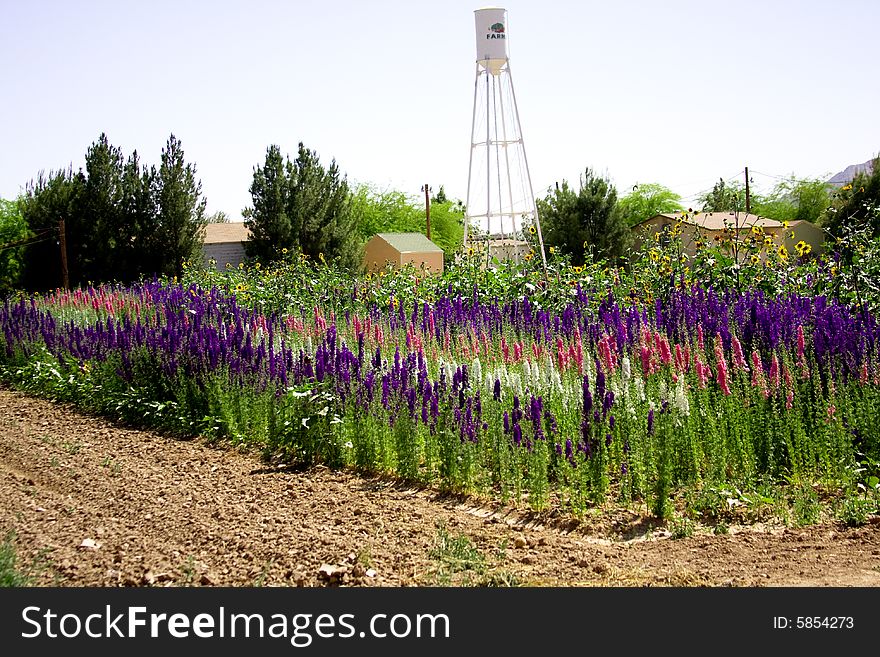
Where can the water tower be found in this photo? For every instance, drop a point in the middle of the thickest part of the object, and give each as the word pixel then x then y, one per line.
pixel 500 202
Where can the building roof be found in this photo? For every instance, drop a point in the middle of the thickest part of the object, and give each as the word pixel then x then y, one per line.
pixel 234 231
pixel 410 242
pixel 717 220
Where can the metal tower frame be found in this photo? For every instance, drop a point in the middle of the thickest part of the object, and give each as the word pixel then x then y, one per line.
pixel 494 85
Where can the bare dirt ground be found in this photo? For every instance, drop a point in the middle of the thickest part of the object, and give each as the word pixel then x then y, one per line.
pixel 94 504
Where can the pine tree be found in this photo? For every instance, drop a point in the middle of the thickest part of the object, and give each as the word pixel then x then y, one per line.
pixel 47 200
pixel 267 220
pixel 301 205
pixel 181 210
pixel 140 251
pixel 587 224
pixel 95 230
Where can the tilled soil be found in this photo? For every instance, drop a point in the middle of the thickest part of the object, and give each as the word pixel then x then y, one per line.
pixel 89 503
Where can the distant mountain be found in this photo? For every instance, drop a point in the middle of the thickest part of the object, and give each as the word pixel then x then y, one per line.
pixel 849 174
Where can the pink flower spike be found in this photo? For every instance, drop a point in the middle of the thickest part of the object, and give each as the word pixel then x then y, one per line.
pixel 800 343
pixel 774 371
pixel 739 360
pixel 645 353
pixel 665 354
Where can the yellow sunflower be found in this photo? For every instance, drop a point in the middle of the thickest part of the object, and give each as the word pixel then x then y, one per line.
pixel 803 248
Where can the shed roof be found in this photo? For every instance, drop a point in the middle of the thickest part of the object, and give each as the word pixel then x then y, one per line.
pixel 718 220
pixel 410 242
pixel 234 231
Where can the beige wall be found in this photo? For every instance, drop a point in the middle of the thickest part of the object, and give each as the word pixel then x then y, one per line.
pixel 378 253
pixel 223 252
pixel 691 235
pixel 809 233
pixel 432 261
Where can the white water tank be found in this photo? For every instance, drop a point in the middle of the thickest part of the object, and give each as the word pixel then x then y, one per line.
pixel 491 24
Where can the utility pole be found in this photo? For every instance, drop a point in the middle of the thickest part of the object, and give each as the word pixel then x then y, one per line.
pixel 427 190
pixel 62 238
pixel 748 195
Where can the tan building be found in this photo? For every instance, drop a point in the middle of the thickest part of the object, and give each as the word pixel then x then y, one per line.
pixel 224 243
pixel 711 227
pixel 807 231
pixel 500 249
pixel 399 249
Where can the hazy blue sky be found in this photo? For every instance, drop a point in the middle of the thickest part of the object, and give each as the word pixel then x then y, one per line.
pixel 677 92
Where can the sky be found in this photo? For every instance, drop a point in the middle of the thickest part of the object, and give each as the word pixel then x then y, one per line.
pixel 680 93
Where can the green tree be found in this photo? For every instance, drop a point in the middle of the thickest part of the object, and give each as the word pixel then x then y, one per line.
pixel 138 219
pixel 447 227
pixel 47 200
pixel 320 211
pixel 392 211
pixel 646 201
pixel 13 230
pixel 389 211
pixel 267 220
pixel 122 220
pixel 440 197
pixel 724 197
pixel 180 221
pixel 793 199
pixel 95 229
pixel 587 224
pixel 301 205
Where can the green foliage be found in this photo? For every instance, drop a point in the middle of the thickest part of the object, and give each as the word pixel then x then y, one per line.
pixel 46 200
pixel 96 238
pixel 855 267
pixel 392 211
pixel 181 210
pixel 141 254
pixel 646 201
pixel 724 197
pixel 301 206
pixel 122 220
pixel 447 227
pixel 457 558
pixel 585 225
pixel 218 217
pixel 11 572
pixel 13 229
pixel 794 200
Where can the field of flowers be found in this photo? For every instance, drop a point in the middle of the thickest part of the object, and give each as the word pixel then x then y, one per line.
pixel 562 392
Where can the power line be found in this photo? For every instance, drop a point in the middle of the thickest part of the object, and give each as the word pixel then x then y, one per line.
pixel 14 245
pixel 25 241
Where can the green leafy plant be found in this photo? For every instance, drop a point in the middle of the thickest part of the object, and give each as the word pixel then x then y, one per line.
pixel 11 572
